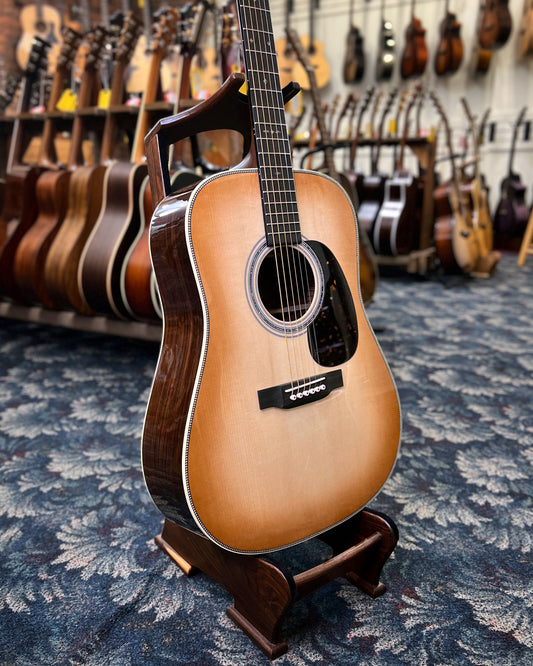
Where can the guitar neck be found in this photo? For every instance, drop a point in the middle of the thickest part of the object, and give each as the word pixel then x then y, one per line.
pixel 515 137
pixel 276 178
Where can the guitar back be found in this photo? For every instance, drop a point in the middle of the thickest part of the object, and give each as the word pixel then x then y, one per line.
pixel 229 459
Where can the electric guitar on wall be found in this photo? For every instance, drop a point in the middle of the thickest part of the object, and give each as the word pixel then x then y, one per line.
pixel 263 302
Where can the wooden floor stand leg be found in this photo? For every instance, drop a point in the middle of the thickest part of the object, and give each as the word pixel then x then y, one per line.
pixel 263 591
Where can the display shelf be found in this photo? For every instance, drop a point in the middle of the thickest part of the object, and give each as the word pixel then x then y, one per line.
pixel 72 320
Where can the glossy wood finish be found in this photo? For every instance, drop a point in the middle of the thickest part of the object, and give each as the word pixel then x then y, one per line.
pixel 338 479
pixel 415 52
pixel 264 591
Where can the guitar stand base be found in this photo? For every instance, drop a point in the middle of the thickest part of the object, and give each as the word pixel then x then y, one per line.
pixel 263 591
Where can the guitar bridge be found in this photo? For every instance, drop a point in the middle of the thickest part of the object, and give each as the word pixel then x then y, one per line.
pixel 300 392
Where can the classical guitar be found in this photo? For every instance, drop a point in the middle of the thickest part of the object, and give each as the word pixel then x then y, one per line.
pixel 354 58
pixel 449 53
pixel 387 48
pixel 315 55
pixel 50 190
pixel 394 229
pixel 415 52
pixel 84 192
pixel 455 240
pixel 19 210
pixel 478 200
pixel 512 212
pixel 295 442
pixel 367 264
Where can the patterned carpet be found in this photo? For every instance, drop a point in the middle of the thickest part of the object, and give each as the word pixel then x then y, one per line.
pixel 82 582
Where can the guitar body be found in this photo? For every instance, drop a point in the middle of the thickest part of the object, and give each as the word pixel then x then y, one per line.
pixel 455 241
pixel 394 229
pixel 117 228
pixel 386 58
pixel 286 62
pixel 505 22
pixel 488 30
pixel 415 54
pixel 51 193
pixel 449 53
pixel 61 266
pixel 354 60
pixel 18 214
pixel 216 457
pixel 525 46
pixel 43 22
pixel 512 212
pixel 373 192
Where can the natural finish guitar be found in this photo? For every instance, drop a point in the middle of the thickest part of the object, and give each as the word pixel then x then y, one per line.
pixel 50 191
pixel 455 239
pixel 315 54
pixel 273 414
pixel 85 188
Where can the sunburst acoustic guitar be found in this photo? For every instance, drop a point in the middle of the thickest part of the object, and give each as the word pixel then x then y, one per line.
pixel 273 414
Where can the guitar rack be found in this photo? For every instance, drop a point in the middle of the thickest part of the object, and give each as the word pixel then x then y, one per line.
pixel 264 591
pixel 421 258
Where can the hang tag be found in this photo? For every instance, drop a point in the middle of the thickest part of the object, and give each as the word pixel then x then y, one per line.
pixel 104 98
pixel 68 100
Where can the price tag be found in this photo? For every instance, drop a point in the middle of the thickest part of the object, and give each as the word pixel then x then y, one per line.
pixel 68 100
pixel 104 98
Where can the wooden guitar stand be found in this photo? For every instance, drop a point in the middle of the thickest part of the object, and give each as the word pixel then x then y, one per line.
pixel 263 591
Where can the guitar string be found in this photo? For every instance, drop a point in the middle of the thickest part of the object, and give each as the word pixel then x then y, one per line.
pixel 288 275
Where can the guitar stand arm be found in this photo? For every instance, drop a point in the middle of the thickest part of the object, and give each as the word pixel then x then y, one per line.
pixel 263 590
pixel 226 109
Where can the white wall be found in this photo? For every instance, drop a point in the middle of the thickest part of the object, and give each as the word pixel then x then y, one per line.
pixel 505 88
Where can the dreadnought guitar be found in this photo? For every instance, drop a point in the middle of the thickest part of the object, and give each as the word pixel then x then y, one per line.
pixel 273 415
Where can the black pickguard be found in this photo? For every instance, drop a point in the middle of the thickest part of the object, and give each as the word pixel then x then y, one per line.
pixel 333 335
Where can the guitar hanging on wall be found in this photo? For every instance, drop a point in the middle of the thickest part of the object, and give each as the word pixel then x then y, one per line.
pixel 272 415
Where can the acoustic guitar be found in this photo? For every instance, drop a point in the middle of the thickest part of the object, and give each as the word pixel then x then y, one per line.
pixel 512 212
pixel 373 184
pixel 394 229
pixel 39 20
pixel 478 200
pixel 84 192
pixel 264 426
pixel 137 278
pixel 119 221
pixel 415 52
pixel 367 263
pixel 449 54
pixel 354 58
pixel 284 51
pixel 315 55
pixel 19 210
pixel 50 191
pixel 525 38
pixel 455 240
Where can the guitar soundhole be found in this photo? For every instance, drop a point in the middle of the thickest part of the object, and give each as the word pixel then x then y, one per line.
pixel 284 287
pixel 286 284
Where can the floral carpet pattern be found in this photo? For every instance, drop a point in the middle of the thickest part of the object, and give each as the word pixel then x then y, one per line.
pixel 82 582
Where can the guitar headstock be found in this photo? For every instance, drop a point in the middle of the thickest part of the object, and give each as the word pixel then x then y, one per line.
pixel 131 30
pixel 38 56
pixel 164 29
pixel 96 43
pixel 191 20
pixel 71 42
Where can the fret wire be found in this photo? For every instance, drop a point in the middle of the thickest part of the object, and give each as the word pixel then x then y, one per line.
pixel 274 157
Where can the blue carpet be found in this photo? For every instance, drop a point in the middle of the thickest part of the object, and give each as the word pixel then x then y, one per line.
pixel 81 581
